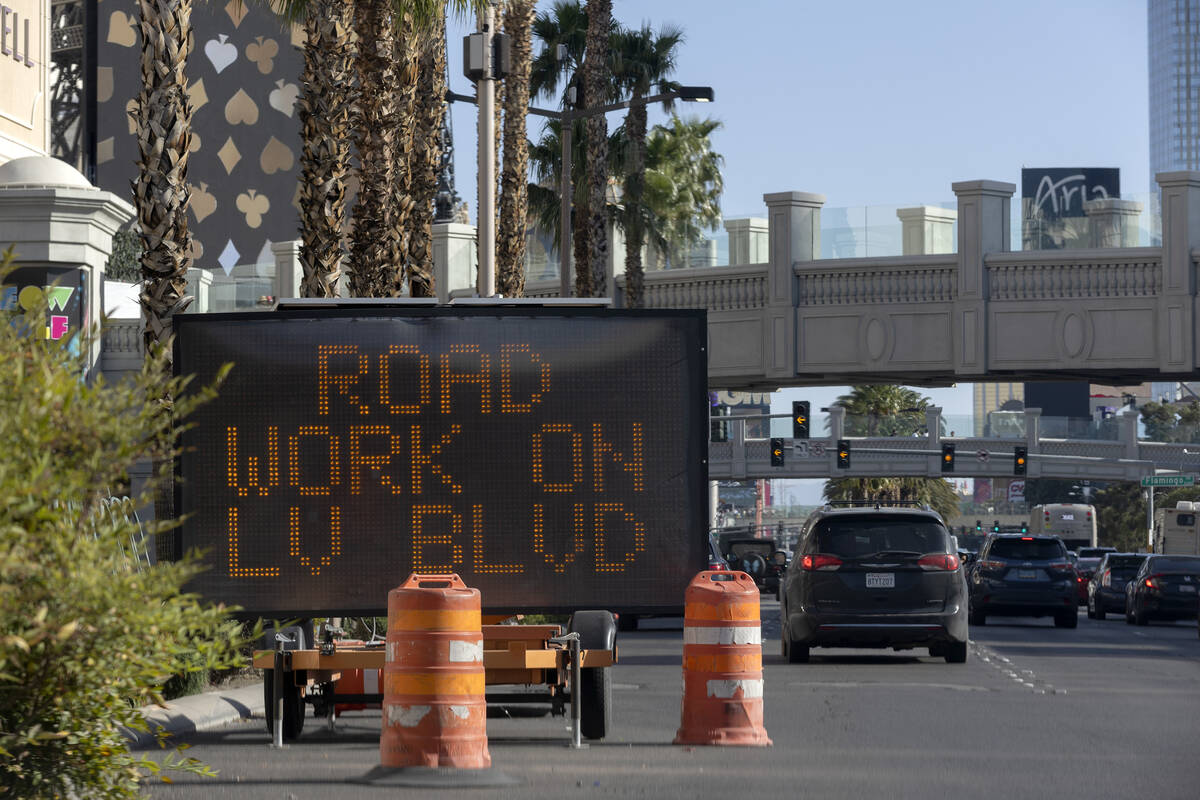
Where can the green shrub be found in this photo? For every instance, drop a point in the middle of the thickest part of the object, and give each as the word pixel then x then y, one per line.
pixel 88 630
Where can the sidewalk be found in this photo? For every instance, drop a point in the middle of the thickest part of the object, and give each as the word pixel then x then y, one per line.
pixel 200 712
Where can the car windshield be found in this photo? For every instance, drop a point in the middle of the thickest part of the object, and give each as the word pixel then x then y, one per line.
pixel 1175 564
pixel 1027 549
pixel 859 537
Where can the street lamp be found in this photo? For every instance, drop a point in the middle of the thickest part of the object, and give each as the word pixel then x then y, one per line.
pixel 567 117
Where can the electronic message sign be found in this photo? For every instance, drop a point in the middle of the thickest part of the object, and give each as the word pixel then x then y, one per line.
pixel 554 458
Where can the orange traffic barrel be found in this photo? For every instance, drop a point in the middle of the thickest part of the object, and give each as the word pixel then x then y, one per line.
pixel 722 662
pixel 434 710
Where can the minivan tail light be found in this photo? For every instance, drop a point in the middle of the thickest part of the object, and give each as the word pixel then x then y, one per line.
pixel 1107 579
pixel 989 564
pixel 820 561
pixel 938 562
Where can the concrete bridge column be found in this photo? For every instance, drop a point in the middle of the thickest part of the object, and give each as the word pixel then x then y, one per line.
pixel 794 235
pixel 1176 304
pixel 1128 433
pixel 926 230
pixel 748 241
pixel 983 228
pixel 1113 222
pixel 288 271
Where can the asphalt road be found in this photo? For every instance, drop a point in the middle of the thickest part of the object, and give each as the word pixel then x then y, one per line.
pixel 1104 710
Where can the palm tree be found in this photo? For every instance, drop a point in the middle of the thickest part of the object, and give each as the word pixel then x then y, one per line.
pixel 324 110
pixel 565 24
pixel 883 410
pixel 886 410
pixel 597 89
pixel 426 153
pixel 643 60
pixel 683 184
pixel 514 186
pixel 161 194
pixel 371 251
pixel 327 98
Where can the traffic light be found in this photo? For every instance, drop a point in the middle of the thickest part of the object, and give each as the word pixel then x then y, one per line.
pixel 996 526
pixel 947 458
pixel 800 410
pixel 979 526
pixel 1024 527
pixel 777 452
pixel 1019 458
pixel 843 454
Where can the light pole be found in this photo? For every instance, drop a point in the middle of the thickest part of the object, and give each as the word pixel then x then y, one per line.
pixel 567 117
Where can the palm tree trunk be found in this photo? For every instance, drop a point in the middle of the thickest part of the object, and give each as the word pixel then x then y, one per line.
pixel 514 183
pixel 635 183
pixel 370 270
pixel 161 193
pixel 324 111
pixel 405 55
pixel 430 109
pixel 596 80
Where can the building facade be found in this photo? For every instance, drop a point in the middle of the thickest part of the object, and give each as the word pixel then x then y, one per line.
pixel 1173 44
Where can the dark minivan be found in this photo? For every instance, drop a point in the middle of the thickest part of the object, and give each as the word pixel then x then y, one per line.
pixel 874 577
pixel 1024 576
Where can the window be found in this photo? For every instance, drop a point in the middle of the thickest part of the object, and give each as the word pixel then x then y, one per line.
pixel 855 537
pixel 1028 550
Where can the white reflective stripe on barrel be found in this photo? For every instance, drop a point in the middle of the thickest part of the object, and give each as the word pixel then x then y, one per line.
pixel 725 690
pixel 466 652
pixel 741 634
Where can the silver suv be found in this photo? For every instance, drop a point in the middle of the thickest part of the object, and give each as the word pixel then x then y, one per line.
pixel 876 576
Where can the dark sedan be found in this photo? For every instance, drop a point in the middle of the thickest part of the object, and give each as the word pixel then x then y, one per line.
pixel 1166 587
pixel 1106 589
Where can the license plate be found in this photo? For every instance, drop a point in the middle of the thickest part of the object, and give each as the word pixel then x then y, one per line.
pixel 1191 589
pixel 881 580
pixel 1027 574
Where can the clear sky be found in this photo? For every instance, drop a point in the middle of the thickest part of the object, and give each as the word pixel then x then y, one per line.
pixel 885 103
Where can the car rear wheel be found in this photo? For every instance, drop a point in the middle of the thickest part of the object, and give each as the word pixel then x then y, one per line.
pixel 955 652
pixel 976 618
pixel 1100 612
pixel 794 653
pixel 1066 619
pixel 1139 616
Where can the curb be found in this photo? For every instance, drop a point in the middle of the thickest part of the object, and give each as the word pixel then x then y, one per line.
pixel 198 712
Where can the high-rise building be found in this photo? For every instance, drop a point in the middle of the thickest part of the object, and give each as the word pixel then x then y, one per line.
pixel 1173 44
pixel 993 397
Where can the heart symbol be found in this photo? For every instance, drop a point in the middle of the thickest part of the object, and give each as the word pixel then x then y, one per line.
pixel 253 205
pixel 276 157
pixel 120 29
pixel 220 53
pixel 283 99
pixel 241 109
pixel 202 202
pixel 263 54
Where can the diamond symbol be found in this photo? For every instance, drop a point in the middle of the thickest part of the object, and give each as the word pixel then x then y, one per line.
pixel 229 155
pixel 237 12
pixel 229 257
pixel 197 94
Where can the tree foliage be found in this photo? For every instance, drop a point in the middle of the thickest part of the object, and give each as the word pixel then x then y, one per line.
pixel 886 410
pixel 88 630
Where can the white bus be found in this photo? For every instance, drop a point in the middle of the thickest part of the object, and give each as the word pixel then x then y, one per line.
pixel 1074 523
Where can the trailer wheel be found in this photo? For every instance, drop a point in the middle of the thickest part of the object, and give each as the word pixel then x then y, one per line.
pixel 595 702
pixel 293 706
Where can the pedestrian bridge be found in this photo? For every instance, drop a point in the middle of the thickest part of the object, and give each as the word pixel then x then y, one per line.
pixel 1110 315
pixel 1116 454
